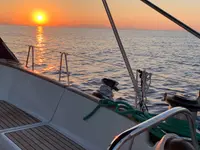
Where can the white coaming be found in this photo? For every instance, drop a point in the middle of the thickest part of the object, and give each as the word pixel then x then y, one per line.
pixel 99 130
pixel 6 79
pixel 35 95
pixel 30 93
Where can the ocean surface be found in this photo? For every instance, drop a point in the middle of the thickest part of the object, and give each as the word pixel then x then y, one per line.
pixel 173 57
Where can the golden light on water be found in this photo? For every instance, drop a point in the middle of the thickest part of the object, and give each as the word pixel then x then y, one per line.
pixel 41 54
pixel 40 36
pixel 40 45
pixel 40 17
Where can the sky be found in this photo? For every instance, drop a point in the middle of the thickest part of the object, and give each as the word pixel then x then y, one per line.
pixel 90 13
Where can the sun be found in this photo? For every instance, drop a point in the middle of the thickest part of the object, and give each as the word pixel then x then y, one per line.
pixel 40 18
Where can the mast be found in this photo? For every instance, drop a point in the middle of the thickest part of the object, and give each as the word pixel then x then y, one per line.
pixel 121 47
pixel 173 19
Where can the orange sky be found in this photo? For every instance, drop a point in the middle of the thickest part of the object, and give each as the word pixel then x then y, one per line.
pixel 127 13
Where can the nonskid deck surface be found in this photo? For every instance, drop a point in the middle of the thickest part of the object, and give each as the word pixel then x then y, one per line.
pixel 11 116
pixel 42 138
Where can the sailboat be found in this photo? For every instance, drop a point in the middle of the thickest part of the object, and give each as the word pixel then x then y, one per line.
pixel 42 114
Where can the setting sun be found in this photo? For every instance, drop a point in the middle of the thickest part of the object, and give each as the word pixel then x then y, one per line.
pixel 40 18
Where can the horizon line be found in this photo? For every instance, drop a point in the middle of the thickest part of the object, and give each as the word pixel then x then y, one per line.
pixel 91 26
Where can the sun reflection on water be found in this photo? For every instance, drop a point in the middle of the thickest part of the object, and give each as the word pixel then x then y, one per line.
pixel 40 46
pixel 40 36
pixel 43 58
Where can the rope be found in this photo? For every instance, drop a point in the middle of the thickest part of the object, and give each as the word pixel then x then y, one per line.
pixel 171 125
pixel 108 103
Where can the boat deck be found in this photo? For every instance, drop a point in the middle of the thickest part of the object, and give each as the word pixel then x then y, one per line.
pixel 13 124
pixel 42 138
pixel 11 116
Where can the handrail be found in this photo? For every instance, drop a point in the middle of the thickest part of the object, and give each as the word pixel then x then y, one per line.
pixel 138 129
pixel 31 48
pixel 66 65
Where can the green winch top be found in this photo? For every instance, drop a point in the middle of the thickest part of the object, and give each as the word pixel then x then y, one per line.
pixel 171 125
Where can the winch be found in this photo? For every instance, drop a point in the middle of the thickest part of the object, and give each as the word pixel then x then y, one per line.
pixel 183 101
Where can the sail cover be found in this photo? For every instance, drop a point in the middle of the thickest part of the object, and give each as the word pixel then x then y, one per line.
pixel 6 53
